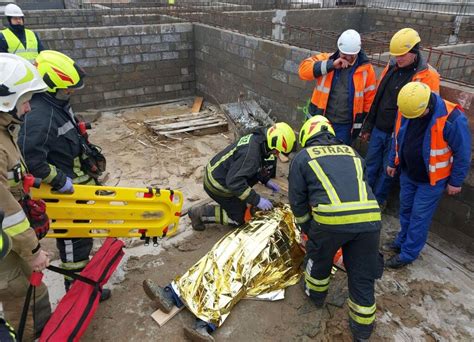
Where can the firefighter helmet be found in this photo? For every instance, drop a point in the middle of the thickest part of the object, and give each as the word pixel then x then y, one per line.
pixel 313 127
pixel 281 137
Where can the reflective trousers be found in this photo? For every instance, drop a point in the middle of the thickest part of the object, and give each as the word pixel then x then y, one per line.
pixel 363 263
pixel 418 202
pixel 14 283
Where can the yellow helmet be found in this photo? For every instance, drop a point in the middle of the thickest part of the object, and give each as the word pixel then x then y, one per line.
pixel 413 99
pixel 403 41
pixel 59 71
pixel 281 137
pixel 314 126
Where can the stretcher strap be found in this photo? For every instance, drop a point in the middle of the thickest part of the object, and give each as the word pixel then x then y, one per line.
pixel 74 276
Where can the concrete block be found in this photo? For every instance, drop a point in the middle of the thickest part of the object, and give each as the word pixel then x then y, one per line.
pixel 182 46
pixel 159 47
pixel 170 55
pixel 171 38
pixel 96 52
pixel 117 50
pixel 232 48
pixel 50 34
pixel 295 81
pixel 127 59
pixel 74 33
pixel 139 48
pixel 131 40
pixel 99 32
pixel 134 91
pixel 245 52
pixel 102 61
pixel 108 95
pixel 151 39
pixel 154 56
pixel 181 28
pixel 238 39
pixel 280 76
pixel 173 87
pixel 184 71
pixel 104 42
pixel 291 66
pixel 84 43
pixel 226 36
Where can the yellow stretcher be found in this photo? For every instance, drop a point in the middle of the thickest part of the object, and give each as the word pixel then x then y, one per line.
pixel 104 211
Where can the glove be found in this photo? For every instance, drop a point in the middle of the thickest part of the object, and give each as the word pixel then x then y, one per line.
pixel 67 188
pixel 36 212
pixel 264 204
pixel 272 186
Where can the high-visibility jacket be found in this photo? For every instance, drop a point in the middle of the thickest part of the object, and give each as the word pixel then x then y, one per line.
pixel 361 89
pixel 15 46
pixel 327 184
pixel 234 170
pixel 15 222
pixel 446 145
pixel 424 73
pixel 50 142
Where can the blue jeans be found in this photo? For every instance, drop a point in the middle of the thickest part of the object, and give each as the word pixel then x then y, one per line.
pixel 343 132
pixel 376 162
pixel 418 202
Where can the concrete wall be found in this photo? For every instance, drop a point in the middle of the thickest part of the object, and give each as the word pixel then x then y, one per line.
pixel 130 64
pixel 40 4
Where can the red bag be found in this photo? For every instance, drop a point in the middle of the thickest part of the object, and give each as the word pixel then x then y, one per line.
pixel 76 309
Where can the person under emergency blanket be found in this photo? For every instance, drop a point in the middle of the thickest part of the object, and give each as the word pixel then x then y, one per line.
pixel 56 150
pixel 231 174
pixel 20 251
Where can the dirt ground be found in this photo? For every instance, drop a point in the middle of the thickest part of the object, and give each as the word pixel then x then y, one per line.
pixel 430 300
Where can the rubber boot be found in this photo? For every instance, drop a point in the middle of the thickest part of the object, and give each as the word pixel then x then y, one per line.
pixel 162 297
pixel 199 333
pixel 196 214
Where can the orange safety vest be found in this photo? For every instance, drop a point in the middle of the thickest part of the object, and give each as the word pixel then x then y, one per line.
pixel 364 80
pixel 441 156
pixel 428 76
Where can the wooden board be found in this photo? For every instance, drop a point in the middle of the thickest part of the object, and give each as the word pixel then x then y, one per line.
pixel 161 318
pixel 197 104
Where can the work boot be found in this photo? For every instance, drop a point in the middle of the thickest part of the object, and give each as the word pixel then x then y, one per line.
pixel 195 214
pixel 198 334
pixel 391 247
pixel 395 262
pixel 161 296
pixel 104 295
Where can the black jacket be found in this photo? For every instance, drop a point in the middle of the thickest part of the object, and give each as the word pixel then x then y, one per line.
pixel 340 177
pixel 234 170
pixel 50 142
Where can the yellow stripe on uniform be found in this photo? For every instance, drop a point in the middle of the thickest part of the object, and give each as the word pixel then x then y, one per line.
pixel 331 192
pixel 360 180
pixel 347 219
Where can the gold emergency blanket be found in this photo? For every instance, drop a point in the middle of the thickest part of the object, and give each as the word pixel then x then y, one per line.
pixel 261 257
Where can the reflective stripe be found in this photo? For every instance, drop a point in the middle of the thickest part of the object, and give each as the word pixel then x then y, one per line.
pixel 245 194
pixel 217 214
pixel 440 165
pixel 316 284
pixel 360 180
pixel 362 320
pixel 364 77
pixel 65 128
pixel 69 250
pixel 11 220
pixel 17 228
pixel 440 152
pixel 346 206
pixel 357 126
pixel 347 219
pixel 364 310
pixel 52 174
pixel 331 192
pixel 302 219
pixel 369 88
pixel 74 265
pixel 324 67
pixel 359 94
pixel 320 87
pixel 81 177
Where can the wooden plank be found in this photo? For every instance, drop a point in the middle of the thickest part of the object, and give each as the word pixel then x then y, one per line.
pixel 161 318
pixel 197 105
pixel 222 124
pixel 189 123
pixel 177 118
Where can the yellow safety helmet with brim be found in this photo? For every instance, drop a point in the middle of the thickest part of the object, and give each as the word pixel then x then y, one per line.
pixel 313 127
pixel 413 99
pixel 403 41
pixel 281 137
pixel 59 71
pixel 18 79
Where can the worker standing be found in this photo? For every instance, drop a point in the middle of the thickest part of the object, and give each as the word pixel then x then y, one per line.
pixel 334 207
pixel 408 65
pixel 54 148
pixel 16 38
pixel 231 174
pixel 20 250
pixel 432 147
pixel 345 85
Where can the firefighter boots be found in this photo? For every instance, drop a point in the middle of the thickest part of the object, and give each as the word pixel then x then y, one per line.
pixel 196 214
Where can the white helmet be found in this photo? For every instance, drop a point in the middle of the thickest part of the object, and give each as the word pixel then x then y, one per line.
pixel 18 78
pixel 349 42
pixel 12 10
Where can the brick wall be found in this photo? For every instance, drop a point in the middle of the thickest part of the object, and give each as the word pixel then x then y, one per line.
pixel 130 64
pixel 40 4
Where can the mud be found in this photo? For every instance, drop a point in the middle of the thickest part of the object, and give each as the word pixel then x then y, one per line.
pixel 430 300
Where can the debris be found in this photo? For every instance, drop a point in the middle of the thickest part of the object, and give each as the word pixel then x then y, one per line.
pixel 197 104
pixel 246 116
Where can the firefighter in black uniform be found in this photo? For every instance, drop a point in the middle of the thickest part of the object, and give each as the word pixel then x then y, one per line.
pixel 334 207
pixel 231 174
pixel 55 149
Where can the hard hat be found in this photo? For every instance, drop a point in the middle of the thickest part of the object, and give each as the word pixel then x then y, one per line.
pixel 349 42
pixel 17 78
pixel 59 71
pixel 413 99
pixel 5 243
pixel 314 126
pixel 281 137
pixel 12 10
pixel 403 41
